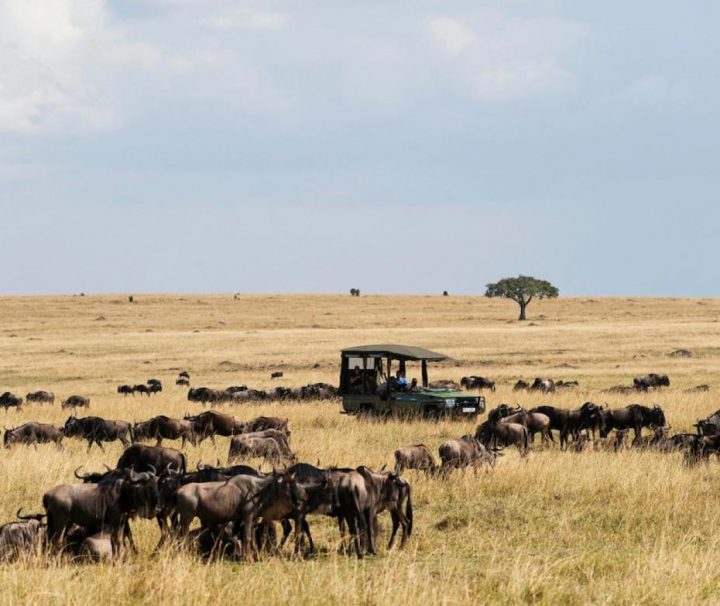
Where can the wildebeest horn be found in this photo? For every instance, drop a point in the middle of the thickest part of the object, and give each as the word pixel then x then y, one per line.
pixel 82 477
pixel 200 465
pixel 383 467
pixel 106 466
pixel 35 516
pixel 218 464
pixel 153 470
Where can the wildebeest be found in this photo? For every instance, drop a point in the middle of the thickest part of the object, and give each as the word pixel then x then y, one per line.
pixel 503 432
pixel 109 503
pixel 635 417
pixel 184 374
pixel 23 537
pixel 536 422
pixel 10 400
pixel 182 381
pixel 154 386
pixel 271 448
pixel 33 433
pixel 391 492
pixel 278 374
pixel 211 423
pixel 521 385
pixel 571 422
pixel 89 543
pixel 141 389
pixel 42 397
pixel 239 499
pixel 709 425
pixel 414 457
pixel 76 402
pixel 566 384
pixel 262 423
pixel 465 452
pixel 476 382
pixel 126 390
pixel 651 380
pixel 356 501
pixel 97 430
pixel 152 458
pixel 543 385
pixel 162 428
pixel 615 440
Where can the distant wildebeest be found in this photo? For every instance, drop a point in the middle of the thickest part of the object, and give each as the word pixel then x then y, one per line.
pixel 182 381
pixel 658 438
pixel 10 400
pixel 476 382
pixel 521 385
pixel 467 451
pixel 141 389
pixel 125 390
pixel 445 384
pixel 152 458
pixel 566 384
pixel 543 385
pixel 33 433
pixel 635 417
pixel 414 457
pixel 109 503
pixel 97 430
pixel 278 374
pixel 184 373
pixel 354 292
pixel 651 380
pixel 42 397
pixel 22 538
pixel 154 386
pixel 76 402
pixel 162 428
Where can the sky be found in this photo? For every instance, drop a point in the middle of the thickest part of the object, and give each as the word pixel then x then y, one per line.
pixel 283 146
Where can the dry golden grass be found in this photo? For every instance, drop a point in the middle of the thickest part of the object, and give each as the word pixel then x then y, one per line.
pixel 554 528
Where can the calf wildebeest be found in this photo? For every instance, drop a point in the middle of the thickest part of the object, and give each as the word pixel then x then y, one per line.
pixel 414 457
pixel 110 503
pixel 76 402
pixel 211 423
pixel 651 380
pixel 635 417
pixel 241 498
pixel 89 543
pixel 10 400
pixel 33 433
pixel 270 448
pixel 23 537
pixel 125 390
pixel 262 423
pixel 162 428
pixel 97 430
pixel 391 491
pixel 476 382
pixel 465 452
pixel 503 432
pixel 152 458
pixel 42 397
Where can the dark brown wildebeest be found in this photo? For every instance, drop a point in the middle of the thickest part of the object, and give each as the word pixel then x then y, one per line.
pixel 9 400
pixel 651 381
pixel 154 386
pixel 635 417
pixel 272 449
pixel 392 492
pixel 41 397
pixel 125 390
pixel 701 448
pixel 355 505
pixel 521 385
pixel 182 381
pixel 162 428
pixel 141 389
pixel 278 374
pixel 571 422
pixel 543 385
pixel 477 382
pixel 414 457
pixel 709 425
pixel 465 452
pixel 97 430
pixel 566 384
pixel 152 458
pixel 184 374
pixel 503 433
pixel 242 499
pixel 110 502
pixel 679 441
pixel 76 402
pixel 211 423
pixel 33 433
pixel 27 536
pixel 536 422
pixel 619 389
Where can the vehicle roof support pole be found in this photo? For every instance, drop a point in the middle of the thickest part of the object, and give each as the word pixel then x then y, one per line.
pixel 424 373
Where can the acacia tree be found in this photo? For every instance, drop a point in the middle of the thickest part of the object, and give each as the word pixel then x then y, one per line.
pixel 522 290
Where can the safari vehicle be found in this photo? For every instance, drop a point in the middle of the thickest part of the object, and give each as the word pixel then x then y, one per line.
pixel 368 384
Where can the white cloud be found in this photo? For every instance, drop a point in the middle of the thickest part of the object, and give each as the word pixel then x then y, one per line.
pixel 451 34
pixel 246 18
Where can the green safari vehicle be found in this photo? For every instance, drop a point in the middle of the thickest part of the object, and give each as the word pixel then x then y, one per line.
pixel 370 383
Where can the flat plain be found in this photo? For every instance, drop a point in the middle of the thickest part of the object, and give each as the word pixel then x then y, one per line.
pixel 553 528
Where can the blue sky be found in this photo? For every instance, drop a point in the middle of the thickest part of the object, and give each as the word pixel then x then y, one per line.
pixel 396 146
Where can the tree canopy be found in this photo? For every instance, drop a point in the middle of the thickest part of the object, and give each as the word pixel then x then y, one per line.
pixel 522 290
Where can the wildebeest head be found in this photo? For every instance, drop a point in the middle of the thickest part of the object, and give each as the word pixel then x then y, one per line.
pixel 9 437
pixel 285 487
pixel 72 427
pixel 656 417
pixel 140 494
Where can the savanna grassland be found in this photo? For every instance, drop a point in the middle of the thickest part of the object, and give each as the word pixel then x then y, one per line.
pixel 554 528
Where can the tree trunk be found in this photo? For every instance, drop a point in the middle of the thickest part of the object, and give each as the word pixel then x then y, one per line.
pixel 523 305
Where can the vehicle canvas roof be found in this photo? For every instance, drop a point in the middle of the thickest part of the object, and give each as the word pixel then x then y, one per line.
pixel 399 352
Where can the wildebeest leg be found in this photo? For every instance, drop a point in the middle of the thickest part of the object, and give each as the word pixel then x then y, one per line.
pixel 371 524
pixel 395 525
pixel 159 442
pixel 353 523
pixel 306 530
pixel 248 543
pixel 127 533
pixel 287 529
pixel 299 530
pixel 100 446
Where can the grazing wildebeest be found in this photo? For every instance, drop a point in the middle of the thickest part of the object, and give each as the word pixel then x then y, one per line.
pixel 182 381
pixel 184 374
pixel 33 433
pixel 262 423
pixel 42 397
pixel 154 386
pixel 521 385
pixel 635 417
pixel 391 492
pixel 276 375
pixel 125 390
pixel 211 423
pixel 414 457
pixel 651 380
pixel 272 449
pixel 10 400
pixel 152 458
pixel 476 382
pixel 110 503
pixel 241 498
pixel 76 402
pixel 543 385
pixel 536 422
pixel 506 433
pixel 164 428
pixel 97 430
pixel 141 389
pixel 566 384
pixel 23 537
pixel 679 441
pixel 465 452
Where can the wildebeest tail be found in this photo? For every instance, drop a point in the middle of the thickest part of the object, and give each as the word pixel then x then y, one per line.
pixel 409 509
